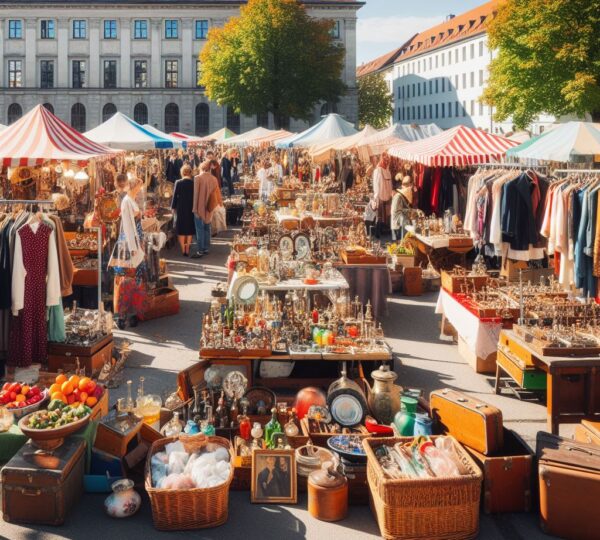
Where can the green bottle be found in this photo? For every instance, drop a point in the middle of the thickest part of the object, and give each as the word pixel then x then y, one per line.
pixel 272 427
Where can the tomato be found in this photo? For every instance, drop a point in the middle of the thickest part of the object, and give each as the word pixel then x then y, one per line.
pixel 13 395
pixel 21 404
pixel 36 390
pixel 6 386
pixel 15 387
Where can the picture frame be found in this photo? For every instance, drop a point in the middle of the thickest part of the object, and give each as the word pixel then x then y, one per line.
pixel 274 477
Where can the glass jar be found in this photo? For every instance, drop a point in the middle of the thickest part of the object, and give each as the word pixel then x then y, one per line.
pixel 423 425
pixel 404 420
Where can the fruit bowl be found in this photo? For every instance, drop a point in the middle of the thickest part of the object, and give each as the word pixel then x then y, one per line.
pixel 19 412
pixel 51 438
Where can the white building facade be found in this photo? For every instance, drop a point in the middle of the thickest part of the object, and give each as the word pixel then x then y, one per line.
pixel 87 60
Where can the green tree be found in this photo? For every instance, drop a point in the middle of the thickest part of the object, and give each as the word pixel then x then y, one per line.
pixel 273 58
pixel 548 59
pixel 374 101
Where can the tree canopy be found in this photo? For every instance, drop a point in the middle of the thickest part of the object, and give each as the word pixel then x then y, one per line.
pixel 548 59
pixel 273 58
pixel 374 101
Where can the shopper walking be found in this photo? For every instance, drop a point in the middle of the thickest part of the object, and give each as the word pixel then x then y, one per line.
pixel 206 199
pixel 382 192
pixel 182 203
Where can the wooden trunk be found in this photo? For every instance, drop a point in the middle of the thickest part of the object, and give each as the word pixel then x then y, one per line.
pixel 64 357
pixel 42 488
pixel 507 476
pixel 470 421
pixel 112 441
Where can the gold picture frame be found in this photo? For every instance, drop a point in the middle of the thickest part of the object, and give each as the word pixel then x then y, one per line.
pixel 274 477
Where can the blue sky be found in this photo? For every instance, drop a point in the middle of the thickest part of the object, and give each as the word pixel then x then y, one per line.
pixel 385 24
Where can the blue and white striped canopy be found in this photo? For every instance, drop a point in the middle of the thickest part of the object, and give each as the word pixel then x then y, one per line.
pixel 120 131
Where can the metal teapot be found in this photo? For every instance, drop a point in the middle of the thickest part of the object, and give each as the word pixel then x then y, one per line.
pixel 384 397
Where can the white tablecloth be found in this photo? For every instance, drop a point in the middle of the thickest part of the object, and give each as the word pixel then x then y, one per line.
pixel 281 217
pixel 339 282
pixel 481 337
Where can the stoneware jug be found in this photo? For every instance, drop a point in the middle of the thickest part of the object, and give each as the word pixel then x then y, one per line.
pixel 384 396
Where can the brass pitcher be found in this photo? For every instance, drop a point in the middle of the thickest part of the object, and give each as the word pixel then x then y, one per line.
pixel 384 396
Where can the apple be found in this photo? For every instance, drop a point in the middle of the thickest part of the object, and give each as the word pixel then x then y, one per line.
pixel 13 395
pixel 98 391
pixel 6 386
pixel 21 404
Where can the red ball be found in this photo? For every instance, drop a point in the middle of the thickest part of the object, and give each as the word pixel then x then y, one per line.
pixel 309 396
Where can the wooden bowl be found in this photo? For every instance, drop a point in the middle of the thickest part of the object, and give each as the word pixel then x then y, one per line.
pixel 50 439
pixel 19 413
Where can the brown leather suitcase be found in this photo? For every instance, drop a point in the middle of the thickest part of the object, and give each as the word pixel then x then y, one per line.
pixel 470 421
pixel 588 432
pixel 42 488
pixel 569 480
pixel 412 284
pixel 507 476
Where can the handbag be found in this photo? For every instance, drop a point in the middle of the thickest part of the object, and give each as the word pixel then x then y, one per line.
pixel 121 257
pixel 219 220
pixel 213 201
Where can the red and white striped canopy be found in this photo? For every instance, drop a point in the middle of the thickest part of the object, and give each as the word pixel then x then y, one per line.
pixel 40 137
pixel 190 139
pixel 456 147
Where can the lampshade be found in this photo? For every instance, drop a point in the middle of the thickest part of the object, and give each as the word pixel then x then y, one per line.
pixel 82 176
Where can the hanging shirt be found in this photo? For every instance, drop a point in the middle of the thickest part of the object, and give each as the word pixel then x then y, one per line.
pixel 382 184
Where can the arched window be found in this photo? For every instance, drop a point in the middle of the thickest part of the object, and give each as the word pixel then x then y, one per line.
pixel 78 117
pixel 233 120
pixel 108 110
pixel 14 112
pixel 262 120
pixel 140 113
pixel 202 119
pixel 171 118
pixel 49 107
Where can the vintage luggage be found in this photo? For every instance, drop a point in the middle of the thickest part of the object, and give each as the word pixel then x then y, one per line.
pixel 160 303
pixel 507 476
pixel 588 432
pixel 64 357
pixel 471 421
pixel 412 283
pixel 42 488
pixel 569 481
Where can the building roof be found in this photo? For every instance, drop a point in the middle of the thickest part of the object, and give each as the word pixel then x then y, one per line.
pixel 13 3
pixel 466 25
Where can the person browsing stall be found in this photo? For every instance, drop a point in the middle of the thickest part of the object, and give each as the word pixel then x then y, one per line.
pixel 207 196
pixel 182 203
pixel 382 192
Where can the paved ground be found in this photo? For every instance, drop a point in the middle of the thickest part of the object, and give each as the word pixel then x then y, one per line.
pixel 163 347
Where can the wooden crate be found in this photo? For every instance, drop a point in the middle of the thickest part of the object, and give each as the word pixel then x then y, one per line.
pixel 160 303
pixel 412 281
pixel 92 358
pixel 480 365
pixel 453 283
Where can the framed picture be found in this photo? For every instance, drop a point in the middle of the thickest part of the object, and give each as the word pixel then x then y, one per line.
pixel 274 477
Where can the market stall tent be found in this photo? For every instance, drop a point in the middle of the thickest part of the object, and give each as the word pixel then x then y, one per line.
pixel 120 131
pixel 219 137
pixel 188 139
pixel 177 142
pixel 39 137
pixel 411 132
pixel 572 141
pixel 331 127
pixel 247 138
pixel 273 137
pixel 457 147
pixel 322 152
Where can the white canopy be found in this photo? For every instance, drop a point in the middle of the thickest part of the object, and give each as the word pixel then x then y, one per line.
pixel 249 137
pixel 411 132
pixel 177 142
pixel 331 127
pixel 120 131
pixel 322 152
pixel 220 136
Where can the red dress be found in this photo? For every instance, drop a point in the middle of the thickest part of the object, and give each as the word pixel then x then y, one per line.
pixel 28 333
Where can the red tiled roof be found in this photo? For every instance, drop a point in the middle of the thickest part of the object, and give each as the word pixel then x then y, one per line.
pixel 458 28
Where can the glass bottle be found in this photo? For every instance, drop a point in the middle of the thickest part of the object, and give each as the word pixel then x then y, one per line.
pixel 129 405
pixel 234 412
pixel 172 427
pixel 291 428
pixel 257 433
pixel 221 414
pixel 245 426
pixel 272 427
pixel 207 426
pixel 197 410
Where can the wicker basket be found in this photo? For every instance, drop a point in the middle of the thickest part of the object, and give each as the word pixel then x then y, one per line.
pixel 196 508
pixel 430 508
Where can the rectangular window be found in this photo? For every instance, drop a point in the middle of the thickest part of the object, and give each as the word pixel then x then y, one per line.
pixel 472 50
pixel 456 56
pixel 419 89
pixel 425 88
pixel 110 29
pixel 46 74
pixel 464 108
pixel 79 74
pixel 171 29
pixel 414 90
pixel 400 115
pixel 413 116
pixel 140 29
pixel 437 88
pixel 171 73
pixel 419 112
pixel 472 79
pixel 430 62
pixel 449 57
pixel 481 77
pixel 140 74
pixel 431 87
pixel 110 73
pixel 424 112
pixel 464 80
pixel 47 29
pixel 202 29
pixel 443 110
pixel 443 59
pixel 449 109
pixel 430 111
pixel 481 47
pixel 79 29
pixel 336 30
pixel 408 91
pixel 443 84
pixel 436 110
pixel 436 60
pixel 472 107
pixel 456 82
pixel 15 29
pixel 15 73
pixel 480 109
pixel 464 53
pixel 199 76
pixel 456 109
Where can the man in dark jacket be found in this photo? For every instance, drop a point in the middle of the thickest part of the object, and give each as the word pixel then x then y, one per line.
pixel 173 167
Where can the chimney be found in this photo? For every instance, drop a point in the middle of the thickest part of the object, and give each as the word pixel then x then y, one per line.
pixel 450 16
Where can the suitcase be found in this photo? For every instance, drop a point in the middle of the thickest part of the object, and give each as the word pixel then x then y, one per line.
pixel 588 432
pixel 42 488
pixel 470 421
pixel 507 476
pixel 569 480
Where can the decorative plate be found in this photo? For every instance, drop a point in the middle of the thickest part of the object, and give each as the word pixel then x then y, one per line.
pixel 347 410
pixel 330 234
pixel 234 384
pixel 245 290
pixel 302 246
pixel 286 244
pixel 259 396
pixel 348 446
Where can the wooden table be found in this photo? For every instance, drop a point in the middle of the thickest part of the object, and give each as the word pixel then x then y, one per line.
pixel 438 250
pixel 573 382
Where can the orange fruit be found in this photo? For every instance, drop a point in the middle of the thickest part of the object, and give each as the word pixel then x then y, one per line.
pixel 83 396
pixel 74 380
pixel 54 388
pixel 66 388
pixel 20 397
pixel 60 396
pixel 25 389
pixel 61 378
pixel 83 382
pixel 91 401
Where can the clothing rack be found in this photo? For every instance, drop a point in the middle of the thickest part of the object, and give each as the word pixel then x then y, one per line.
pixel 504 165
pixel 25 201
pixel 566 172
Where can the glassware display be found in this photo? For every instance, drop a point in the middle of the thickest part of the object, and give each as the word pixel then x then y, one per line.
pixel 172 427
pixel 147 407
